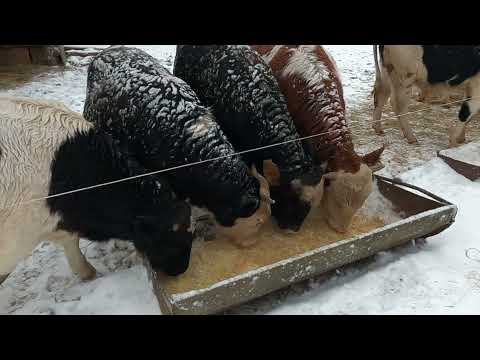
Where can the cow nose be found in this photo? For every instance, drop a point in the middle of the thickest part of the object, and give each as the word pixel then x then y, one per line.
pixel 177 268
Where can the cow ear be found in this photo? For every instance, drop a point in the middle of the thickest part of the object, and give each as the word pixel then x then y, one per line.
pixel 372 159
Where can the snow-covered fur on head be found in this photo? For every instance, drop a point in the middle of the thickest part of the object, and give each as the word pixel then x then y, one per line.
pixel 138 101
pixel 47 149
pixel 251 110
pixel 310 82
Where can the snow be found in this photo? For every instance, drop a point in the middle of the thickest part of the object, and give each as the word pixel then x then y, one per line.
pixel 44 284
pixel 439 277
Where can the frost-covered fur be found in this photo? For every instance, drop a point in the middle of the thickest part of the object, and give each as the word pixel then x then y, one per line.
pixel 251 110
pixel 311 84
pixel 47 149
pixel 245 97
pixel 135 99
pixel 437 71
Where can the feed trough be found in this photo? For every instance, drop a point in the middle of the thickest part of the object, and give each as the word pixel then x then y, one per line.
pixel 465 160
pixel 418 214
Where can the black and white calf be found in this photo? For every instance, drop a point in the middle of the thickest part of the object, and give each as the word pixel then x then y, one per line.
pixel 139 102
pixel 250 108
pixel 436 70
pixel 46 149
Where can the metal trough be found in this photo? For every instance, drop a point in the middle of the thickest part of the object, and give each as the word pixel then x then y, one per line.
pixel 461 166
pixel 425 215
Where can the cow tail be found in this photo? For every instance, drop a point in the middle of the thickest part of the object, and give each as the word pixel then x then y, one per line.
pixel 378 72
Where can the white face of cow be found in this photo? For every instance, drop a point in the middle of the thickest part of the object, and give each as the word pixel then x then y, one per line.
pixel 344 195
pixel 244 231
pixel 311 194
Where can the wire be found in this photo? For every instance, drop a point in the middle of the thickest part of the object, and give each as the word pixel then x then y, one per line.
pixel 210 160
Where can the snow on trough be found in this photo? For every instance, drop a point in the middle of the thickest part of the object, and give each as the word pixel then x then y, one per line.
pixel 436 278
pixel 469 153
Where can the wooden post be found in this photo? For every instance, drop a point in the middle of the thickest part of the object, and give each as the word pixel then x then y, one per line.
pixel 32 55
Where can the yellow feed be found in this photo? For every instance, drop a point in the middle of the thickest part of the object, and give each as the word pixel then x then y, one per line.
pixel 219 259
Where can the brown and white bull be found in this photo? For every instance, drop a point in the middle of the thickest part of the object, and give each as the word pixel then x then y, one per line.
pixel 437 71
pixel 311 84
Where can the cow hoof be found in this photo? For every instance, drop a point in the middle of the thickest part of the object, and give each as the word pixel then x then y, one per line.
pixel 89 273
pixel 379 132
pixel 413 141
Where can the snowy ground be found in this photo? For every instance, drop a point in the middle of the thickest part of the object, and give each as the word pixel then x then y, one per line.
pixel 438 278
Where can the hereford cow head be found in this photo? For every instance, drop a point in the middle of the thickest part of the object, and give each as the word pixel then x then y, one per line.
pixel 346 190
pixel 243 232
pixel 341 192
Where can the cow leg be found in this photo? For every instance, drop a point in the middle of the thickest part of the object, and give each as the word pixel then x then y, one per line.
pixel 400 107
pixel 472 105
pixel 462 138
pixel 78 263
pixel 457 133
pixel 381 94
pixel 469 109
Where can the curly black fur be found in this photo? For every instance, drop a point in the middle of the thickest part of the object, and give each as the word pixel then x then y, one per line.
pixel 139 102
pixel 143 210
pixel 249 106
pixel 247 101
